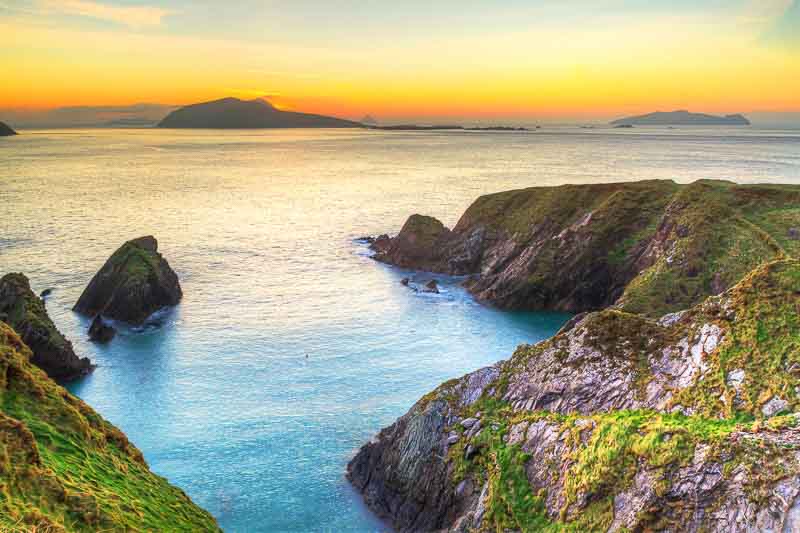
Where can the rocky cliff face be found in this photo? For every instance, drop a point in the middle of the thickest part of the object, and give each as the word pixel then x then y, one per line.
pixel 25 312
pixel 135 282
pixel 620 422
pixel 64 468
pixel 648 247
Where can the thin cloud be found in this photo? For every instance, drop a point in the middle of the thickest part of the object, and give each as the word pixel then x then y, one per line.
pixel 133 16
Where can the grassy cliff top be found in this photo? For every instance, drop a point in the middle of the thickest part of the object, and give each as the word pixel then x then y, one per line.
pixel 64 468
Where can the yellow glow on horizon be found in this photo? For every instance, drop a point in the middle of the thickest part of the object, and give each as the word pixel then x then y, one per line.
pixel 548 72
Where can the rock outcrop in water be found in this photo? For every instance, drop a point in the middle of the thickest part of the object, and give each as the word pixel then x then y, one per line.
pixel 648 247
pixel 619 423
pixel 25 312
pixel 5 130
pixel 64 468
pixel 135 282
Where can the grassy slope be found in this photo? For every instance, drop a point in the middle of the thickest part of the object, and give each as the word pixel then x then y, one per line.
pixel 760 317
pixel 712 233
pixel 64 468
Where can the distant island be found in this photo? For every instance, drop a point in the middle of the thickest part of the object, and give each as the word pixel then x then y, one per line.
pixel 436 127
pixel 232 113
pixel 682 118
pixel 5 130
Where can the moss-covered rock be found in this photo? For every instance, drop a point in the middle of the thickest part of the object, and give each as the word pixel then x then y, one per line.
pixel 64 468
pixel 649 247
pixel 619 422
pixel 135 282
pixel 25 312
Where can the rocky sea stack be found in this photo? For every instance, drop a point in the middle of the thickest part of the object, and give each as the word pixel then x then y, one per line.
pixel 620 422
pixel 25 312
pixel 649 247
pixel 135 282
pixel 64 468
pixel 5 130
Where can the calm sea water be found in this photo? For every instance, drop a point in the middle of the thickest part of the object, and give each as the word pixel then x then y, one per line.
pixel 260 227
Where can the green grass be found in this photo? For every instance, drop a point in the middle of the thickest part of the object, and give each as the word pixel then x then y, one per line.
pixel 64 468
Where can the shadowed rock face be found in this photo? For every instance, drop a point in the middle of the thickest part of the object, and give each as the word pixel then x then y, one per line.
pixel 5 130
pixel 619 422
pixel 64 468
pixel 25 312
pixel 649 247
pixel 135 282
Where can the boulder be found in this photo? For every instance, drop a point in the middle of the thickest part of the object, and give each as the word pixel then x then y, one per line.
pixel 431 287
pixel 25 312
pixel 101 332
pixel 135 282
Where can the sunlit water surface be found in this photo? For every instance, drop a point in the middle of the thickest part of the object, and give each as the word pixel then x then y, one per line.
pixel 291 347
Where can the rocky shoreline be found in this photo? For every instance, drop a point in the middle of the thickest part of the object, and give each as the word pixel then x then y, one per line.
pixel 649 247
pixel 668 403
pixel 618 423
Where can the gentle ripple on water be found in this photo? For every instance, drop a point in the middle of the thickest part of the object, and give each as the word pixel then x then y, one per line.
pixel 260 228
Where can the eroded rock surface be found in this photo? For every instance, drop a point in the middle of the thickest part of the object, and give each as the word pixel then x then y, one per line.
pixel 644 247
pixel 619 423
pixel 135 282
pixel 25 312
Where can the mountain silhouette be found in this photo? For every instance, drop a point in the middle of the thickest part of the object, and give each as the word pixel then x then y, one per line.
pixel 682 118
pixel 230 113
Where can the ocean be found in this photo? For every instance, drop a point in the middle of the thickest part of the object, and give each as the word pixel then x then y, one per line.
pixel 291 347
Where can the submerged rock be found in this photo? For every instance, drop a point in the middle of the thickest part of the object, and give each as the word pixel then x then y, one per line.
pixel 135 282
pixel 620 422
pixel 21 309
pixel 101 332
pixel 64 468
pixel 432 286
pixel 45 293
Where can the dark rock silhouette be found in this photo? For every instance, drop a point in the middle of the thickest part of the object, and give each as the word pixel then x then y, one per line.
pixel 682 118
pixel 5 130
pixel 431 287
pixel 101 332
pixel 232 113
pixel 135 282
pixel 21 309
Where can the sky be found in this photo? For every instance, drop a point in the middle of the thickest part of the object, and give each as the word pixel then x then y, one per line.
pixel 405 60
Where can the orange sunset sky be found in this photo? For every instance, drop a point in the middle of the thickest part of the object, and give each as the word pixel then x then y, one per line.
pixel 409 60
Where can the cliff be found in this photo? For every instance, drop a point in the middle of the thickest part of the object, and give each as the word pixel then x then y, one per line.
pixel 25 312
pixel 135 282
pixel 682 118
pixel 5 130
pixel 649 247
pixel 230 113
pixel 618 423
pixel 64 468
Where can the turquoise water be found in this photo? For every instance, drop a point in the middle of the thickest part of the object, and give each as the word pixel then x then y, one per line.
pixel 260 226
